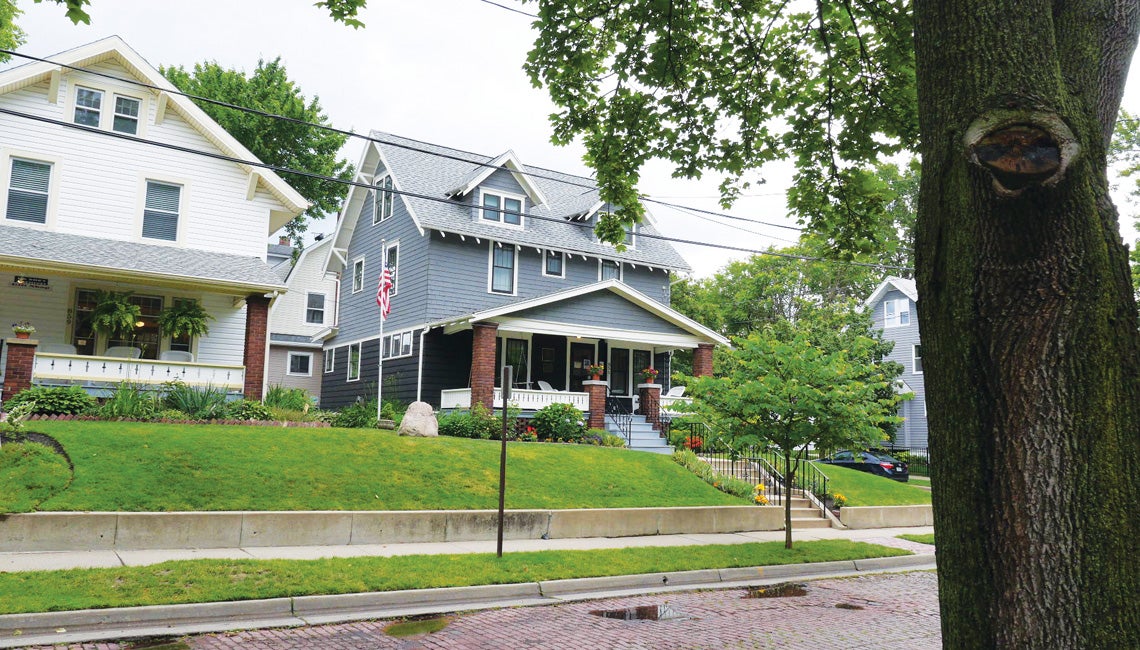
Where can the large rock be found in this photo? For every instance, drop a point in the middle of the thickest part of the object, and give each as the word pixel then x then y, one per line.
pixel 419 421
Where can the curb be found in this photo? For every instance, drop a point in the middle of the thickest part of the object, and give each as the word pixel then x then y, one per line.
pixel 17 630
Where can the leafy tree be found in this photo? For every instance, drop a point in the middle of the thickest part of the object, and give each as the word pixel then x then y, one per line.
pixel 274 141
pixel 1029 321
pixel 344 11
pixel 791 393
pixel 11 36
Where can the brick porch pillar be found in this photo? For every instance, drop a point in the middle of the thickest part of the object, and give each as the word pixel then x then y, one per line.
pixel 483 364
pixel 256 340
pixel 703 360
pixel 597 391
pixel 650 395
pixel 18 371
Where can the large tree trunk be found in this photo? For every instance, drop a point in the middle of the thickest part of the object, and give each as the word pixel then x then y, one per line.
pixel 1030 340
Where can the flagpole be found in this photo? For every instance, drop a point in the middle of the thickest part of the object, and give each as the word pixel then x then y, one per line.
pixel 380 365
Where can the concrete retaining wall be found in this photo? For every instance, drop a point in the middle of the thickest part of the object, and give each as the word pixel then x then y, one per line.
pixel 85 531
pixel 886 516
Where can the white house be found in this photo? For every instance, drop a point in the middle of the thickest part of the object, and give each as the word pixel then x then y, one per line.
pixel 894 309
pixel 106 184
pixel 300 320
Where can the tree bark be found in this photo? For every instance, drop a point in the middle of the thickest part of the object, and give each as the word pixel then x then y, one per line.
pixel 1030 337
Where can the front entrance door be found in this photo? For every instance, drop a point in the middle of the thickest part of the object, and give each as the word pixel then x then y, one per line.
pixel 581 356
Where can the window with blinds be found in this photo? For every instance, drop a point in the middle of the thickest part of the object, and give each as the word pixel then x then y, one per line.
pixel 160 217
pixel 28 191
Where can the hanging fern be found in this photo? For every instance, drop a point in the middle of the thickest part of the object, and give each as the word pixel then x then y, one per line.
pixel 114 314
pixel 184 318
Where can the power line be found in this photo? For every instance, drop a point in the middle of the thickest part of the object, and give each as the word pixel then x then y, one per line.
pixel 517 11
pixel 370 139
pixel 376 188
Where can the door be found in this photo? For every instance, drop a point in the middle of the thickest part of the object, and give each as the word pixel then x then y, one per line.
pixel 581 356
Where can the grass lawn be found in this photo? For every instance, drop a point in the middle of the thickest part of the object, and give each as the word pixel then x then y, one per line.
pixel 866 489
pixel 921 539
pixel 121 466
pixel 29 474
pixel 202 581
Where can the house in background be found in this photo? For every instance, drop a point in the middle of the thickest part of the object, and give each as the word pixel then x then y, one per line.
pixel 495 263
pixel 894 309
pixel 301 319
pixel 93 198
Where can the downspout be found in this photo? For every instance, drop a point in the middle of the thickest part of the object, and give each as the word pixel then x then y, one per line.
pixel 420 372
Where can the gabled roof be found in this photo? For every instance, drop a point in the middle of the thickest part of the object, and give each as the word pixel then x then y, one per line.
pixel 115 49
pixel 427 171
pixel 905 285
pixel 507 160
pixel 33 249
pixel 621 289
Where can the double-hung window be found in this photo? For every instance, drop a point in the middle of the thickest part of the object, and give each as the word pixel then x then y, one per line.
pixel 358 275
pixel 315 309
pixel 392 259
pixel 160 216
pixel 554 264
pixel 330 360
pixel 28 191
pixel 126 115
pixel 896 313
pixel 503 209
pixel 502 268
pixel 354 362
pixel 383 200
pixel 88 106
pixel 918 359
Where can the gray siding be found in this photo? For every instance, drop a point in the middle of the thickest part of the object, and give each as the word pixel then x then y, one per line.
pixel 912 431
pixel 399 376
pixel 279 367
pixel 459 270
pixel 602 307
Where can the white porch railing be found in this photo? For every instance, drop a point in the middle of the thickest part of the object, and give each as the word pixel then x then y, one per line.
pixel 460 398
pixel 103 372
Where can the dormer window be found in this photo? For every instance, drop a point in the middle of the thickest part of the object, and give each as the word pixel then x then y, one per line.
pixel 383 201
pixel 896 313
pixel 126 115
pixel 631 236
pixel 88 106
pixel 501 208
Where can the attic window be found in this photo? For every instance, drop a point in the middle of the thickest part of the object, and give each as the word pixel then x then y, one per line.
pixel 126 115
pixel 503 209
pixel 383 200
pixel 88 106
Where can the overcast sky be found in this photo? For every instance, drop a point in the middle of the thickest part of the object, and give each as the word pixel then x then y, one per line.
pixel 443 71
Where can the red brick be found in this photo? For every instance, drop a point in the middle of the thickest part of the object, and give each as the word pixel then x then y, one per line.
pixel 18 371
pixel 703 360
pixel 483 364
pixel 256 336
pixel 650 395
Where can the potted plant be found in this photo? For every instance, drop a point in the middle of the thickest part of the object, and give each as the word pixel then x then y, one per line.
pixel 649 375
pixel 115 315
pixel 23 329
pixel 185 318
pixel 595 370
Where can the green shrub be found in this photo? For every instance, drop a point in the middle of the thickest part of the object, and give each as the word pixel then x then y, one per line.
pixel 129 401
pixel 608 439
pixel 723 482
pixel 200 403
pixel 559 422
pixel 476 423
pixel 291 399
pixel 171 414
pixel 62 400
pixel 361 415
pixel 245 409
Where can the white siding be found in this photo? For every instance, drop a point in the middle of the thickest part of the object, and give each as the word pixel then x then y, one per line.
pixel 100 179
pixel 287 315
pixel 225 343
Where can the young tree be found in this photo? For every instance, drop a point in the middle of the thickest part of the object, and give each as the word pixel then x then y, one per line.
pixel 274 141
pixel 792 393
pixel 1029 323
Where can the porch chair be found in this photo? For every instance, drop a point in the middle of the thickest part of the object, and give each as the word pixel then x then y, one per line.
pixel 676 391
pixel 123 352
pixel 176 355
pixel 545 385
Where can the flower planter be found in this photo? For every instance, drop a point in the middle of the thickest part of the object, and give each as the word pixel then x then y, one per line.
pixel 23 335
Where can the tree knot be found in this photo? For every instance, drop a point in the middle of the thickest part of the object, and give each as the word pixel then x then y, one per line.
pixel 1020 149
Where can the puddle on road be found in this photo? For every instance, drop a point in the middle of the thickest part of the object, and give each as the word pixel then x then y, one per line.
pixel 642 613
pixel 414 626
pixel 848 606
pixel 782 590
pixel 156 643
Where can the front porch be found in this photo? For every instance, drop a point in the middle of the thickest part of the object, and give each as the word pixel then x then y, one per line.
pixel 99 375
pixel 521 398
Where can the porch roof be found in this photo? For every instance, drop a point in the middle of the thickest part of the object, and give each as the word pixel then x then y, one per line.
pixel 508 318
pixel 29 249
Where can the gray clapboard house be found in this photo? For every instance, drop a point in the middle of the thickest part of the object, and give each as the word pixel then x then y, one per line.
pixel 495 263
pixel 894 309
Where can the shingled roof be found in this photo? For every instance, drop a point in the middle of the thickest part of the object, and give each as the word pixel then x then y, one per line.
pixel 432 171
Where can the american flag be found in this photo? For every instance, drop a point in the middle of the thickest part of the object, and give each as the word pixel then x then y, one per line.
pixel 382 291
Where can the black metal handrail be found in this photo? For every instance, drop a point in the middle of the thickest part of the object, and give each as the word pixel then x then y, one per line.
pixel 620 416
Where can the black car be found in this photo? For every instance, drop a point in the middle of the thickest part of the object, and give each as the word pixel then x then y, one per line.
pixel 873 462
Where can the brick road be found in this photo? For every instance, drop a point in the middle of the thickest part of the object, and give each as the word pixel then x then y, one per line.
pixel 897 610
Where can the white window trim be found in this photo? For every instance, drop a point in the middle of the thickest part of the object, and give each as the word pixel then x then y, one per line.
pixel 324 307
pixel 352 279
pixel 396 271
pixel 115 113
pixel 330 360
pixel 545 255
pixel 359 363
pixel 518 336
pixel 914 359
pixel 491 270
pixel 621 270
pixel 53 187
pixel 102 104
pixel 503 196
pixel 378 215
pixel 289 364
pixel 889 322
pixel 107 110
pixel 400 337
pixel 183 207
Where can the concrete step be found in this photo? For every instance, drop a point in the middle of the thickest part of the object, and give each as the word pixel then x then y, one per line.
pixel 819 522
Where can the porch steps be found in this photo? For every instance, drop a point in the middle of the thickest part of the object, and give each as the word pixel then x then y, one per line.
pixel 642 436
pixel 804 514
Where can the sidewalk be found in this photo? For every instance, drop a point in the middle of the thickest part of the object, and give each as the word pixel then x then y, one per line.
pixel 53 560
